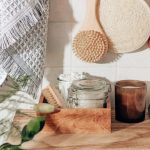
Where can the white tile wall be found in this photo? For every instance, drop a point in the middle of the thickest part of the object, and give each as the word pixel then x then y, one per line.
pixel 136 59
pixel 139 73
pixel 64 19
pixel 51 74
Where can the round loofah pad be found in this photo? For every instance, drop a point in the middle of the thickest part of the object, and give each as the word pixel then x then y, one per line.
pixel 90 46
pixel 126 23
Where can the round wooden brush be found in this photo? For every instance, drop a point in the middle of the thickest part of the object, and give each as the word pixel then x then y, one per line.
pixel 91 43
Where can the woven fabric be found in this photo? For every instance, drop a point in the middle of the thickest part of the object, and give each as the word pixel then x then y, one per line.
pixel 23 43
pixel 17 17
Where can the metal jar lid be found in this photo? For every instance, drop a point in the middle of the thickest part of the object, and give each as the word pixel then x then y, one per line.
pixel 89 84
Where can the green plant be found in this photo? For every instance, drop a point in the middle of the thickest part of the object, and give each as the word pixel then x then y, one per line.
pixel 10 87
pixel 35 125
pixel 29 131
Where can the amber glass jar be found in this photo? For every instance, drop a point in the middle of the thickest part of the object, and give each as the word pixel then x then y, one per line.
pixel 130 100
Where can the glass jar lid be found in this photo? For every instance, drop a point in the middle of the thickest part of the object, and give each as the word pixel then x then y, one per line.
pixel 89 84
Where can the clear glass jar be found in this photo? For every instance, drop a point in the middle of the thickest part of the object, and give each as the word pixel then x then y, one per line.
pixel 65 81
pixel 88 93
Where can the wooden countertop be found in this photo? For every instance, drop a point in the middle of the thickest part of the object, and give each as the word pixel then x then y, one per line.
pixel 124 136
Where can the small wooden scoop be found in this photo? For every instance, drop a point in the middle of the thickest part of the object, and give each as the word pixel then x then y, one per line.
pixel 90 44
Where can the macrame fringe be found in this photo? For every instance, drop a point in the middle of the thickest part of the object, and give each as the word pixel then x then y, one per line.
pixel 19 29
pixel 23 25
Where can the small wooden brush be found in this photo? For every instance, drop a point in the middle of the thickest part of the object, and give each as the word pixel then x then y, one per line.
pixel 90 44
pixel 53 97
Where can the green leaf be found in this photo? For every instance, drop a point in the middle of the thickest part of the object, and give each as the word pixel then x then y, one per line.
pixel 8 146
pixel 32 128
pixel 23 80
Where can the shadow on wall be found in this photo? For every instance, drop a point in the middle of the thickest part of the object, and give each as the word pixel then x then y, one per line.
pixel 148 2
pixel 59 38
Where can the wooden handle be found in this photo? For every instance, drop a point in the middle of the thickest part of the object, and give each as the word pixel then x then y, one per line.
pixel 91 9
pixel 90 22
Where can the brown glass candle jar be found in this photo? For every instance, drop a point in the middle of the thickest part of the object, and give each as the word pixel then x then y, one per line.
pixel 130 100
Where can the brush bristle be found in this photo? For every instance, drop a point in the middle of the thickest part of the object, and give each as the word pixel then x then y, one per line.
pixel 90 46
pixel 50 97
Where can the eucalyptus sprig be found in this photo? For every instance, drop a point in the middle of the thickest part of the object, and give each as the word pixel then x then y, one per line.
pixel 36 124
pixel 10 87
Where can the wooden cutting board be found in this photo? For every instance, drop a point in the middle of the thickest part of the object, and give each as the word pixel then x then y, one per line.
pixel 124 137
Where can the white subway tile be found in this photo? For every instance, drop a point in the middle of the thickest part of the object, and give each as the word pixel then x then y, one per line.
pixel 51 74
pixel 75 29
pixel 107 61
pixel 138 73
pixel 135 59
pixel 79 9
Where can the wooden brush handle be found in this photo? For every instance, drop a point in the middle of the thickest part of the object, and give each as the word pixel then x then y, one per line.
pixel 91 9
pixel 90 22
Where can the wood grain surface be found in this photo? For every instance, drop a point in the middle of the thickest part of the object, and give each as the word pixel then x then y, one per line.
pixel 80 121
pixel 123 137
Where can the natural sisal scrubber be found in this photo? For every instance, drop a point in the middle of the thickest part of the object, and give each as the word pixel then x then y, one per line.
pixel 53 97
pixel 91 43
